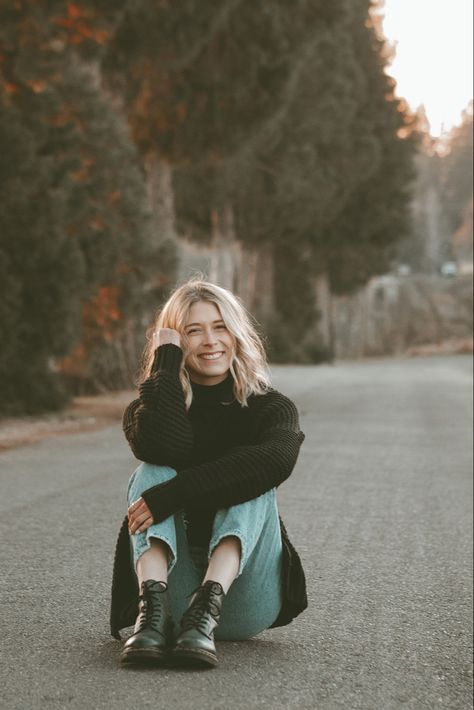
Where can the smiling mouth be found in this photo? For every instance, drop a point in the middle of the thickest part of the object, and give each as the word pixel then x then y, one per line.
pixel 211 356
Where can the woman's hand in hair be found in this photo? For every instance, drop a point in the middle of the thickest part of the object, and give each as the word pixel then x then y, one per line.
pixel 139 517
pixel 166 335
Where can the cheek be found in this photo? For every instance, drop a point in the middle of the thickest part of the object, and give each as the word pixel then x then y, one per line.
pixel 187 346
pixel 191 350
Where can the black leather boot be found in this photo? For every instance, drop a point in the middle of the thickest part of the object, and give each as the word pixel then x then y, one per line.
pixel 195 642
pixel 153 633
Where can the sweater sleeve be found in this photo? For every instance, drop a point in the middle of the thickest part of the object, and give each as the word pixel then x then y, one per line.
pixel 156 424
pixel 243 473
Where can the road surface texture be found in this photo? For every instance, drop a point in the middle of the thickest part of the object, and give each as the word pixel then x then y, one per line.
pixel 379 507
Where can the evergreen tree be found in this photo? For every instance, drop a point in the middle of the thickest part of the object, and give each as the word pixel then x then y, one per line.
pixel 40 273
pixel 336 178
pixel 456 171
pixel 201 80
pixel 299 135
pixel 95 214
pixel 362 240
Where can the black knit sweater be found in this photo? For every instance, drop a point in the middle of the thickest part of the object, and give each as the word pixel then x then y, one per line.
pixel 224 454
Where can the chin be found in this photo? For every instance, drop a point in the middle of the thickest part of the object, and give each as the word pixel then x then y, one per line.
pixel 214 373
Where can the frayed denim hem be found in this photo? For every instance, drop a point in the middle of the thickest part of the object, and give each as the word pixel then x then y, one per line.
pixel 218 537
pixel 142 544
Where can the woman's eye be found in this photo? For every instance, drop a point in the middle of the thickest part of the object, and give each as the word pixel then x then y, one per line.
pixel 198 330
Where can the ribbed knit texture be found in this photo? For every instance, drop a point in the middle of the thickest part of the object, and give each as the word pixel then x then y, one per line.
pixel 224 454
pixel 156 425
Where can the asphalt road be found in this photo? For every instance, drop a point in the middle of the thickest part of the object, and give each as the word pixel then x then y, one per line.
pixel 379 507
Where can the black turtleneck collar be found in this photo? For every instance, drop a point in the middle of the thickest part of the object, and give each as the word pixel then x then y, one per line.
pixel 223 392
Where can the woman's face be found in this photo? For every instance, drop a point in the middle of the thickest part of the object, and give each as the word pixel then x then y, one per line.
pixel 209 344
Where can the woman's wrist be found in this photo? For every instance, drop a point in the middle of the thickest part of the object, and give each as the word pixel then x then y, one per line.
pixel 163 499
pixel 168 357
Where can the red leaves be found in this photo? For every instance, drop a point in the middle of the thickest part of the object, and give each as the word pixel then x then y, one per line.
pixel 102 313
pixel 83 174
pixel 10 88
pixel 80 25
pixel 74 11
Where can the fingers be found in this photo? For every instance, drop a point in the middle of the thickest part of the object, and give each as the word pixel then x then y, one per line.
pixel 140 522
pixel 139 516
pixel 139 503
pixel 138 527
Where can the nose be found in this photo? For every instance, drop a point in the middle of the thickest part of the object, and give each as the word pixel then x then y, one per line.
pixel 210 337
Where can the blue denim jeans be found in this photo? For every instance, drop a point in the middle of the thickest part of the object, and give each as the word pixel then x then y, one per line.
pixel 254 599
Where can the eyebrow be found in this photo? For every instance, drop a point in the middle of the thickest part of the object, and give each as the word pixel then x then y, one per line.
pixel 219 320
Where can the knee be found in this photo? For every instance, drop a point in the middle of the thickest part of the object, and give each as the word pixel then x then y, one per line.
pixel 266 502
pixel 251 513
pixel 146 476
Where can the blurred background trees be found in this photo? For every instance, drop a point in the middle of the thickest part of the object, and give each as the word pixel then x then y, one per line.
pixel 456 187
pixel 442 199
pixel 261 142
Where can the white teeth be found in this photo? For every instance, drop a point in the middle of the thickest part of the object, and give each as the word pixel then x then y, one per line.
pixel 211 357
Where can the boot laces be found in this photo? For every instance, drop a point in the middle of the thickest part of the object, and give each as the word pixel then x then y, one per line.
pixel 195 616
pixel 151 609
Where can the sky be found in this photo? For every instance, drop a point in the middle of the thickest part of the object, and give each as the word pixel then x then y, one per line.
pixel 433 63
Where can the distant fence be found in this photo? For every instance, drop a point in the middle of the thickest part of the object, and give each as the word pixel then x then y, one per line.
pixel 391 314
pixel 394 313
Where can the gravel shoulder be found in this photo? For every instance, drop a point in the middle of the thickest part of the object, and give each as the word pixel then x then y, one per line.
pixel 84 414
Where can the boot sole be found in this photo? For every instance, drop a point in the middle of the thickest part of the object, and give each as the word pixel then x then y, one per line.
pixel 139 656
pixel 194 657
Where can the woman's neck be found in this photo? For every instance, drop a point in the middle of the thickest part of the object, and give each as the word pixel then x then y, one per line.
pixel 223 390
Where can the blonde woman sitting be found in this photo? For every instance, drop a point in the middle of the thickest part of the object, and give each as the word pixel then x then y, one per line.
pixel 203 553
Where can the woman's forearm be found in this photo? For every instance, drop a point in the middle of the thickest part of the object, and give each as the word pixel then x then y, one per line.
pixel 156 424
pixel 242 474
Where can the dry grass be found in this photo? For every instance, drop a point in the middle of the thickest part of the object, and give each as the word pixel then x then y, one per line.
pixel 84 414
pixel 454 346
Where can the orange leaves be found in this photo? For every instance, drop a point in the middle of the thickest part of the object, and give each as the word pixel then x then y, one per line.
pixel 84 172
pixel 10 88
pixel 154 112
pixel 113 197
pixel 74 11
pixel 75 364
pixel 101 321
pixel 79 24
pixel 38 85
pixel 102 312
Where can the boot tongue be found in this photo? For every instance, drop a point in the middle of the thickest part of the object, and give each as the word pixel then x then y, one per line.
pixel 215 587
pixel 153 585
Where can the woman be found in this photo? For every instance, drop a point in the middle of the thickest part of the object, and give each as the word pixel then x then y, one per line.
pixel 210 554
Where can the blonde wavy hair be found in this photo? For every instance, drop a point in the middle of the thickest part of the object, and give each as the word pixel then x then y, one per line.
pixel 248 367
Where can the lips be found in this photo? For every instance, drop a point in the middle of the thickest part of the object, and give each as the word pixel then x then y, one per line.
pixel 211 356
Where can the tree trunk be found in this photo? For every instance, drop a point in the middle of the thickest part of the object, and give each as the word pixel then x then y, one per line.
pixel 246 277
pixel 264 296
pixel 324 304
pixel 161 198
pixel 225 251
